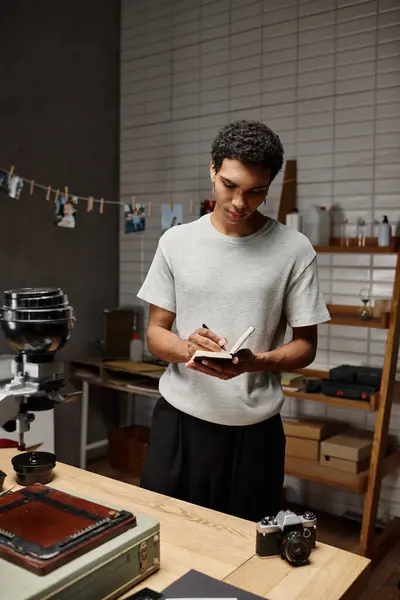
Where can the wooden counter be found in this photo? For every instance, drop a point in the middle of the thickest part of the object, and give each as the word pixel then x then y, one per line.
pixel 214 543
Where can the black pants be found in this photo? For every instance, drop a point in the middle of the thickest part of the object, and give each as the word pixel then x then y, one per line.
pixel 234 470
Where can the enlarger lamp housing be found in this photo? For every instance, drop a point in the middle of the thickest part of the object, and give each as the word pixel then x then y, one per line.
pixel 36 322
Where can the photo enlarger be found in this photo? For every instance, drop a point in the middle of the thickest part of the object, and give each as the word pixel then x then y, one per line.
pixel 37 322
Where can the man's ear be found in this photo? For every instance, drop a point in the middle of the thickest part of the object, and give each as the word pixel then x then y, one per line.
pixel 213 173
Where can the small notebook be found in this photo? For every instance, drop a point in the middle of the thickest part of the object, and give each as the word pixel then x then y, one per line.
pixel 224 355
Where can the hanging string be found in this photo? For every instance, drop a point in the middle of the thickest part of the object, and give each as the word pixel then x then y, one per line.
pixel 91 200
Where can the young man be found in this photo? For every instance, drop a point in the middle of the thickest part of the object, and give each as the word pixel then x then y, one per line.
pixel 217 438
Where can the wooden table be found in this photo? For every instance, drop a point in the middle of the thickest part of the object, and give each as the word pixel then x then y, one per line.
pixel 216 544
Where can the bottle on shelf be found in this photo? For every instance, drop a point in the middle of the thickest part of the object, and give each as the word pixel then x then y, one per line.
pixel 344 234
pixel 384 232
pixel 136 345
pixel 361 231
pixel 317 226
pixel 293 220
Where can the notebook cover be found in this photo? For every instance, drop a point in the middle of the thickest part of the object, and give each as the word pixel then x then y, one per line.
pixel 42 528
pixel 197 585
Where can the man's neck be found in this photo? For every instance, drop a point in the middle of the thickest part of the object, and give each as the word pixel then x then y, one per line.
pixel 240 229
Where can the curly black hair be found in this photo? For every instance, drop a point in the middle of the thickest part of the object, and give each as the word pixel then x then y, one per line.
pixel 250 142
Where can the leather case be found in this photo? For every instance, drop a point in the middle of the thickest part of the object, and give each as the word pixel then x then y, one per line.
pixel 42 528
pixel 358 374
pixel 344 389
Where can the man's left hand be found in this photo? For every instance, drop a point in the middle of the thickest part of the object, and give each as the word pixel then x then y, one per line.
pixel 242 362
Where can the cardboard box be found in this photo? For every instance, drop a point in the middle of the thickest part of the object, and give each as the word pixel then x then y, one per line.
pixel 381 305
pixel 309 429
pixel 353 445
pixel 302 448
pixel 348 466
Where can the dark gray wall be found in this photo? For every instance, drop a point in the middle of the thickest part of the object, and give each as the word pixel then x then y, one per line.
pixel 59 100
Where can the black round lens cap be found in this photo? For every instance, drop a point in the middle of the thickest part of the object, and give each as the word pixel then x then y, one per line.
pixel 33 461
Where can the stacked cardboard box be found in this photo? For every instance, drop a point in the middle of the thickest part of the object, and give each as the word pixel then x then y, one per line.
pixel 349 451
pixel 303 437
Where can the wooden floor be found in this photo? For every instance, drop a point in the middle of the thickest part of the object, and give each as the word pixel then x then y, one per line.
pixel 334 531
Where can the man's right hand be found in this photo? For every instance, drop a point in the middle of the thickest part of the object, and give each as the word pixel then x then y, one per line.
pixel 204 339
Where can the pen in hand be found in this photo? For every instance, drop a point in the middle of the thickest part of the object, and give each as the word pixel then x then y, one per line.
pixel 205 327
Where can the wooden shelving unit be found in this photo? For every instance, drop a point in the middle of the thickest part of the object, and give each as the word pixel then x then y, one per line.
pixel 371 247
pixel 350 316
pixel 373 545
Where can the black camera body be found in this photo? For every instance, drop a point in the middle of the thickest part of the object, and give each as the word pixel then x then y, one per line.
pixel 288 535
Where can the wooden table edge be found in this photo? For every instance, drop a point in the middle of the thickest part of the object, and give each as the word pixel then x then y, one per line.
pixel 359 585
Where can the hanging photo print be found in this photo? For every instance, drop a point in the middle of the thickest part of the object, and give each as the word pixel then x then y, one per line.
pixel 15 186
pixel 66 211
pixel 135 218
pixel 171 215
pixel 206 207
pixel 3 181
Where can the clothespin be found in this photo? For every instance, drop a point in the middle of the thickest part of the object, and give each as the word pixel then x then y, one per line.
pixel 48 193
pixel 90 204
pixel 101 209
pixel 32 187
pixel 191 206
pixel 171 205
pixel 56 196
pixel 11 171
pixel 133 202
pixel 149 209
pixel 66 192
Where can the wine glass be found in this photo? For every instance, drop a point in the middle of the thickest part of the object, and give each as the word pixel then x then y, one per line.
pixel 365 297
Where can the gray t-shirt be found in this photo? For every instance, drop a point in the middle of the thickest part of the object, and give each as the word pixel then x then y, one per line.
pixel 267 280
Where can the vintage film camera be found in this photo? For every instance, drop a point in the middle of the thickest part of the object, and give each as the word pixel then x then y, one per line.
pixel 289 535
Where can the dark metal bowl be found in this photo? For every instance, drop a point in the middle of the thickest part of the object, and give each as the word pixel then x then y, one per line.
pixel 2 479
pixel 34 467
pixel 36 321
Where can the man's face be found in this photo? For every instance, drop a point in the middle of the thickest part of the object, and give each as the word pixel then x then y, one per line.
pixel 239 189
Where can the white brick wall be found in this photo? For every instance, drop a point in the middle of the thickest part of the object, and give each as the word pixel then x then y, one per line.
pixel 325 74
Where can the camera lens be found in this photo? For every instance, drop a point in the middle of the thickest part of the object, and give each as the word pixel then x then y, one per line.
pixel 294 548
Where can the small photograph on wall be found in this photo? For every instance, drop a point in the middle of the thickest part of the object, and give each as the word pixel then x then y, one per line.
pixel 135 218
pixel 171 217
pixel 15 186
pixel 3 181
pixel 206 207
pixel 66 211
